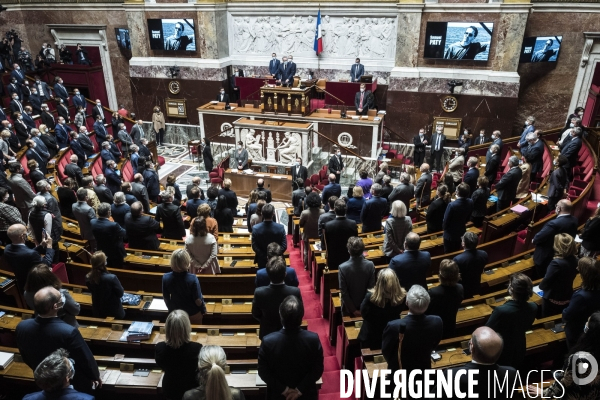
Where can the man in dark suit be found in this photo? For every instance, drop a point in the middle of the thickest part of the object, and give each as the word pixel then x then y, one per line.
pixel 274 66
pixel 260 187
pixel 423 187
pixel 485 348
pixel 355 276
pixel 492 165
pixel 77 149
pixel 363 100
pixel 109 236
pixel 38 337
pixel 325 218
pixel 420 334
pixel 195 184
pixel 170 215
pixel 482 139
pixel 102 191
pixel 17 74
pixel 471 263
pixel 297 196
pixel 336 166
pixel 98 111
pixel 373 210
pixel 100 130
pixel 299 171
pixel 404 192
pixel 438 141
pixel 138 189
pixel 333 189
pixel 22 258
pixel 456 217
pixel 506 188
pixel 28 119
pixel 47 117
pixel 36 101
pixel 14 87
pixel 265 233
pixel 267 299
pixel 21 189
pixel 420 141
pixel 141 229
pixel 137 132
pixel 54 375
pixel 106 154
pixel 534 153
pixel 222 97
pixel 357 70
pixel 230 196
pixel 60 90
pixel 291 361
pixel 412 266
pixel 571 151
pixel 528 127
pixel 472 174
pixel 287 71
pixel 262 278
pixel 151 181
pixel 43 89
pixel 15 104
pixel 62 132
pixel 544 239
pixel 78 99
pixel 113 177
pixel 336 234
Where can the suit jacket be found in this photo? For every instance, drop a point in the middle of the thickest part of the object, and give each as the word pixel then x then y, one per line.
pixel 404 193
pixel 98 111
pixel 297 196
pixel 84 215
pixel 511 320
pixel 336 234
pixel 170 215
pixel 274 67
pixel 188 191
pixel 356 72
pixel 471 264
pixel 434 139
pixel 456 217
pixel 113 180
pixel 23 259
pixel 335 164
pixel 356 276
pixel 37 175
pixel 36 103
pixel 79 101
pixel 368 100
pixel 16 106
pixel 523 139
pixel 104 194
pixel 141 232
pixel 14 88
pixel 87 144
pixel 45 92
pixel 286 73
pixel 485 386
pixel 65 394
pixel 101 133
pixel 268 193
pixel 422 333
pixel 420 147
pixel 491 168
pixel 79 152
pixel 38 337
pixel 323 219
pixel 141 194
pixel 152 184
pixel 535 155
pixel 20 77
pixel 558 182
pixel 29 122
pixel 558 281
pixel 571 151
pixel 506 188
pixel 125 140
pixel 470 179
pixel 544 239
pixel 63 111
pixel 225 98
pixel 373 211
pixel 137 134
pixel 302 174
pixel 411 268
pixel 62 134
pixel 48 119
pixel 333 189
pixel 274 366
pixel 445 302
pixel 423 189
pixel 106 156
pixel 482 140
pixel 21 190
pixel 263 234
pixel 262 278
pixel 232 200
pixel 109 239
pixel 33 154
pixel 375 319
pixel 590 234
pixel 118 213
pixel 499 143
pixel 265 306
pixel 21 130
pixel 435 215
pixel 583 304
pixel 61 92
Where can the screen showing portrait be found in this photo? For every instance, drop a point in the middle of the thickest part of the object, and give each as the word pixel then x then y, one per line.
pixel 172 34
pixel 122 35
pixel 540 49
pixel 458 40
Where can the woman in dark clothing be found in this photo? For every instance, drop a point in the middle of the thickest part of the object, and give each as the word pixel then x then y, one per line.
pixel 171 181
pixel 223 215
pixel 559 181
pixel 49 140
pixel 181 289
pixel 558 282
pixel 437 209
pixel 35 175
pixel 355 204
pixel 116 120
pixel 446 298
pixel 381 305
pixel 207 155
pixel 106 289
pixel 480 198
pixel 178 356
pixel 591 232
pixel 67 197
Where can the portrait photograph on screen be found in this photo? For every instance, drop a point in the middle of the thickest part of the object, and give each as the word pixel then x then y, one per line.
pixel 458 40
pixel 172 34
pixel 122 35
pixel 540 49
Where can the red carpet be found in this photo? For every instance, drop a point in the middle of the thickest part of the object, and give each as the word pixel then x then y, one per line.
pixel 312 314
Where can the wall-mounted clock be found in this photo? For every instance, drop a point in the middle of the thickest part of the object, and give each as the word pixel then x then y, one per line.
pixel 449 103
pixel 174 87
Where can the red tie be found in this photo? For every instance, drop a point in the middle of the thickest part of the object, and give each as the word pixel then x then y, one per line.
pixel 361 100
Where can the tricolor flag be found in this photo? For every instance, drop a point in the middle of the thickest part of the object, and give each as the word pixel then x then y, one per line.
pixel 318 36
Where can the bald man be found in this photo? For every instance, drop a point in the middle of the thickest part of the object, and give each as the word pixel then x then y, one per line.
pixel 195 183
pixel 333 189
pixel 260 186
pixel 485 347
pixel 73 170
pixel 22 258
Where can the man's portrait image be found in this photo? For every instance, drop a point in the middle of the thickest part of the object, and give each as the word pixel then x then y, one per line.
pixel 468 41
pixel 179 34
pixel 546 49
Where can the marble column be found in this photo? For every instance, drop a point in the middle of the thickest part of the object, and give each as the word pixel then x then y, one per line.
pixel 212 33
pixel 138 33
pixel 511 30
pixel 407 40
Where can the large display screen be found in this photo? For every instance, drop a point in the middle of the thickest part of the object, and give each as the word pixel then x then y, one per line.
pixel 172 34
pixel 122 35
pixel 458 40
pixel 540 49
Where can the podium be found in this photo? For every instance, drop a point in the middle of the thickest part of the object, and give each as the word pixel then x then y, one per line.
pixel 284 100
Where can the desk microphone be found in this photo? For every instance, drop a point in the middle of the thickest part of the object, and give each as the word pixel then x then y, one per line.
pixel 69 244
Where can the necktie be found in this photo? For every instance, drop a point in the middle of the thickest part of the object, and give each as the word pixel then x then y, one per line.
pixel 437 142
pixel 362 95
pixel 20 106
pixel 284 65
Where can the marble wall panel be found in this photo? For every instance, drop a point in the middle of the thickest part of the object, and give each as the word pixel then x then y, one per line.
pixel 329 74
pixel 206 30
pixel 138 33
pixel 510 30
pixel 221 29
pixel 407 41
pixel 185 73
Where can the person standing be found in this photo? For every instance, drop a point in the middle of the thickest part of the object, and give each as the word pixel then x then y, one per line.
pixel 396 228
pixel 437 210
pixel 170 215
pixel 106 289
pixel 558 281
pixel 336 167
pixel 506 188
pixel 181 289
pixel 357 70
pixel 336 234
pixel 309 222
pixel 239 159
pixel 571 151
pixel 412 266
pixel 559 181
pixel 471 263
pixel 373 211
pixel 21 189
pixel 265 233
pixel 158 123
pixel 137 132
pixel 363 100
pixel 356 276
pixel 202 248
pixel 438 142
pixel 527 128
pixel 446 297
pixel 456 217
pixel 420 141
pixel 534 153
pixel 423 186
pixel 109 236
pixel 299 171
pixel 274 65
pixel 403 192
pixel 207 155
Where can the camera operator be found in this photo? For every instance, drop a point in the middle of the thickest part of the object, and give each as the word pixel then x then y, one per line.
pixel 5 53
pixel 15 41
pixel 25 60
pixel 82 56
pixel 66 57
pixel 48 53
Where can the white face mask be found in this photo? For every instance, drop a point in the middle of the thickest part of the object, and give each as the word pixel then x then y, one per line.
pixel 362 90
pixel 239 147
pixel 526 122
pixel 580 114
pixel 420 133
pixel 481 134
pixel 339 153
pixel 98 104
pixel 571 125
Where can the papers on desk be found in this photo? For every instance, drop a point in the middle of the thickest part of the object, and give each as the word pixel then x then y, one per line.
pixel 538 198
pixel 242 230
pixel 519 209
pixel 214 102
pixel 6 359
pixel 248 171
pixel 382 112
pixel 538 291
pixel 260 175
pixel 355 117
pixel 232 108
pixel 376 119
pixel 554 147
pixel 578 239
pixel 137 331
pixel 158 305
pixel 297 88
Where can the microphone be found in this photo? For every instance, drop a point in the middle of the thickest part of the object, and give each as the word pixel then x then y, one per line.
pixel 69 244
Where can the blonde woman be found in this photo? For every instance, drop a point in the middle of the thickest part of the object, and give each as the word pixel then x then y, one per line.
pixel 158 123
pixel 410 170
pixel 178 356
pixel 7 152
pixel 202 248
pixel 396 228
pixel 381 305
pixel 558 281
pixel 523 188
pixel 383 171
pixel 355 204
pixel 212 384
pixel 181 289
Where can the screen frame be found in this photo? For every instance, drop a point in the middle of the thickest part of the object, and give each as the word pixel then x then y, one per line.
pixel 439 30
pixel 531 40
pixel 156 44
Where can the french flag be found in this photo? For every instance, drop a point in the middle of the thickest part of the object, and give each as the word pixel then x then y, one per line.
pixel 318 35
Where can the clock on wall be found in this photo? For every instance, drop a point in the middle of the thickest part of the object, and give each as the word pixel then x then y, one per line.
pixel 174 87
pixel 449 103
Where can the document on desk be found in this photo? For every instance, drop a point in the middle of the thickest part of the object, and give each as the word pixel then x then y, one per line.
pixel 158 305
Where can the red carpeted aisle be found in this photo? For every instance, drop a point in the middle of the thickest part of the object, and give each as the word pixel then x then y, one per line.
pixel 312 314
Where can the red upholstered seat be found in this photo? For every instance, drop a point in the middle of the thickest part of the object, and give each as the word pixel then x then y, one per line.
pixel 322 175
pixel 60 270
pixel 385 146
pixel 399 156
pixel 520 245
pixel 161 160
pixel 320 187
pixel 307 182
pixel 216 181
pixel 314 179
pixel 127 171
pixel 390 155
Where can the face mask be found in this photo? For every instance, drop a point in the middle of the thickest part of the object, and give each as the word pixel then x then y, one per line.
pixel 571 125
pixel 20 117
pixel 18 68
pixel 526 122
pixel 76 93
pixel 362 90
pixel 296 164
pixel 239 147
pixel 37 82
pixel 339 153
pixel 62 300
pixel 481 134
pixel 420 133
pixel 34 92
pixel 586 328
pixel 16 97
pixel 157 111
pixel 10 125
pixel 358 62
pixel 222 92
pixel 274 58
pixel 580 114
pixel 99 104
pixel 61 101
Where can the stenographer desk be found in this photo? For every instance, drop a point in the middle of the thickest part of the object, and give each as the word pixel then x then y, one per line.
pixel 279 185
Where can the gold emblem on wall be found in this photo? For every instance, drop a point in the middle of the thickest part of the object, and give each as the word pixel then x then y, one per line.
pixel 449 103
pixel 174 87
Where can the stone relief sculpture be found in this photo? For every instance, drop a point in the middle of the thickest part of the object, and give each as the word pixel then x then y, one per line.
pixel 290 146
pixel 342 36
pixel 254 147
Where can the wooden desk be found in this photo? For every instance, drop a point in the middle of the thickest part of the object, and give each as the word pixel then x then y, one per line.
pixel 278 99
pixel 280 185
